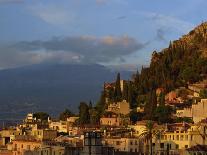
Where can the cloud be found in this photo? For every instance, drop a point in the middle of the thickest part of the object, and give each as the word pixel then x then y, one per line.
pixel 161 34
pixel 127 67
pixel 169 22
pixel 121 17
pixel 52 14
pixel 83 49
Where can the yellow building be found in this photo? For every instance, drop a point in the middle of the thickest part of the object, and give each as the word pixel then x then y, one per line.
pixel 44 134
pixel 126 144
pixel 60 126
pixel 19 147
pixel 112 119
pixel 7 135
pixel 179 137
pixel 196 111
pixel 119 107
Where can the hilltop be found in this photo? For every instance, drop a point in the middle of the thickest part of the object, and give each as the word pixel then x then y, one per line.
pixel 182 63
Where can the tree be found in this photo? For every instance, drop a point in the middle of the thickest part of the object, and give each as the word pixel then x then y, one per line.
pixel 135 116
pixel 148 134
pixel 162 98
pixel 117 91
pixel 84 116
pixel 163 114
pixel 203 93
pixel 151 105
pixel 65 114
pixel 43 116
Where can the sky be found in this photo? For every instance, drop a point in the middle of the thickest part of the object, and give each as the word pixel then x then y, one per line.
pixel 115 33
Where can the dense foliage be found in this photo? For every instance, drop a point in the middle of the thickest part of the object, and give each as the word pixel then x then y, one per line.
pixel 65 114
pixel 183 62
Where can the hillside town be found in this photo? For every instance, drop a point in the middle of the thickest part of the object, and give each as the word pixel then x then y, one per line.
pixel 76 77
pixel 116 133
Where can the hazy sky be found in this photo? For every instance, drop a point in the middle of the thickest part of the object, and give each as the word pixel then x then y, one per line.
pixel 112 32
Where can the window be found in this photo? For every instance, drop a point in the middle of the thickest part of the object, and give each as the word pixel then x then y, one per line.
pixel 186 146
pixel 136 142
pixel 131 150
pixel 191 137
pixel 162 145
pixel 186 137
pixel 135 150
pixel 22 146
pixel 131 142
pixel 28 147
pixel 117 142
pixel 181 137
pixel 177 137
pixel 177 146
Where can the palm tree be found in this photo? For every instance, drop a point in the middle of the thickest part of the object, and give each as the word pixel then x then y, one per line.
pixel 149 133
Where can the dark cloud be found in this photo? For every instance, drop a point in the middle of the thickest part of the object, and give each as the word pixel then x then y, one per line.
pixel 160 34
pixel 85 49
pixel 121 17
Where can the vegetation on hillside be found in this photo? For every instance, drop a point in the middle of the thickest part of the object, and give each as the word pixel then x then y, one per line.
pixel 182 63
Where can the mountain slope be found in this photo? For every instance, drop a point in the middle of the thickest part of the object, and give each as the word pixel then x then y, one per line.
pixel 50 88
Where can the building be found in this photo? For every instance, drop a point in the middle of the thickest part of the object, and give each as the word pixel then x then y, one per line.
pixel 75 141
pixel 112 119
pixel 197 111
pixel 30 118
pixel 93 145
pixel 60 126
pixel 178 137
pixel 44 134
pixel 119 107
pixel 72 120
pixel 123 144
pixel 19 147
pixel 54 148
pixel 7 135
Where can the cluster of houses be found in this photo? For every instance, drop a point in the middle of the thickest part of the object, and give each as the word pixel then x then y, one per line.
pixel 114 135
pixel 35 138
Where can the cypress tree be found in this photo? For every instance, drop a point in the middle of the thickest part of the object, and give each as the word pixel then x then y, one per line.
pixel 117 91
pixel 84 116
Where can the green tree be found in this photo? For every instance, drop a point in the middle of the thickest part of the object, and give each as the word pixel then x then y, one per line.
pixel 203 93
pixel 43 116
pixel 117 91
pixel 148 134
pixel 135 116
pixel 151 105
pixel 162 98
pixel 84 116
pixel 163 114
pixel 65 114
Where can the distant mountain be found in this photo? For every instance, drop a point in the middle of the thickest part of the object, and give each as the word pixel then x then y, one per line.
pixel 51 87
